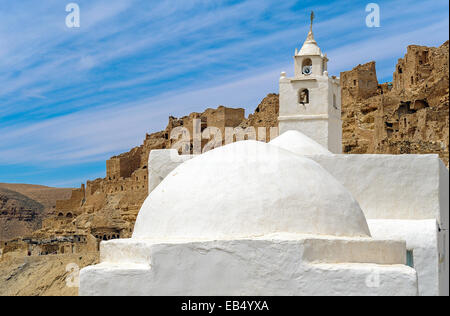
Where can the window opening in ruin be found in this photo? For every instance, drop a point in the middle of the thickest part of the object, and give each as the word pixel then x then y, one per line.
pixel 425 57
pixel 334 102
pixel 354 83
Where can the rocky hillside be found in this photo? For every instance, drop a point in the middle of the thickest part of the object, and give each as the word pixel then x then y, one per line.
pixel 41 276
pixel 24 206
pixel 265 115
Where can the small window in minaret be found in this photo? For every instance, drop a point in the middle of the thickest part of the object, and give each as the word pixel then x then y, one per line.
pixel 307 67
pixel 303 96
pixel 334 102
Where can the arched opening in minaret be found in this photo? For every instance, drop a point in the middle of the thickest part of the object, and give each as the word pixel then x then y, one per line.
pixel 307 66
pixel 307 62
pixel 334 101
pixel 303 96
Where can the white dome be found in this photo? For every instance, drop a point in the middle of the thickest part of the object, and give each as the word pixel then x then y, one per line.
pixel 299 144
pixel 248 189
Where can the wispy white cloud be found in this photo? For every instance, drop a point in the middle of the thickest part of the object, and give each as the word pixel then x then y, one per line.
pixel 87 136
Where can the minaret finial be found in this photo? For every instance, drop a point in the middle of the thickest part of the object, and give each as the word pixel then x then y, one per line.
pixel 312 19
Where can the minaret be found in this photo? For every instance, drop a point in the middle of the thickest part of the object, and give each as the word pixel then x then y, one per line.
pixel 310 102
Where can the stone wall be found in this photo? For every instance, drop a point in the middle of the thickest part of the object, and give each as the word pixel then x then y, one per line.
pixel 67 207
pixel 124 165
pixel 360 83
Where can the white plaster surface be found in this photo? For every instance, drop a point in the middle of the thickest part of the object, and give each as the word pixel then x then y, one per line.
pixel 262 189
pixel 320 119
pixel 421 236
pixel 265 266
pixel 313 127
pixel 393 186
pixel 299 144
pixel 408 194
pixel 161 163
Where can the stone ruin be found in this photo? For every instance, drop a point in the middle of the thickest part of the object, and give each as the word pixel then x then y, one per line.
pixel 406 116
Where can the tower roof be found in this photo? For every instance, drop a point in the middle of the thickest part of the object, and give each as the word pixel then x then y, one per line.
pixel 310 47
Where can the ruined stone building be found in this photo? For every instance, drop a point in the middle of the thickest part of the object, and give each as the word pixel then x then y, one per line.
pixel 408 115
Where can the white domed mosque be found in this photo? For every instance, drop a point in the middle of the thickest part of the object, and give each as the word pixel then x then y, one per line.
pixel 292 217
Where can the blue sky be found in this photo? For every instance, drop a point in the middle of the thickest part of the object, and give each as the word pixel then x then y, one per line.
pixel 72 98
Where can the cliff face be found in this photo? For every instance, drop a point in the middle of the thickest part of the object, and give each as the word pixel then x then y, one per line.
pixel 19 214
pixel 23 207
pixel 408 116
